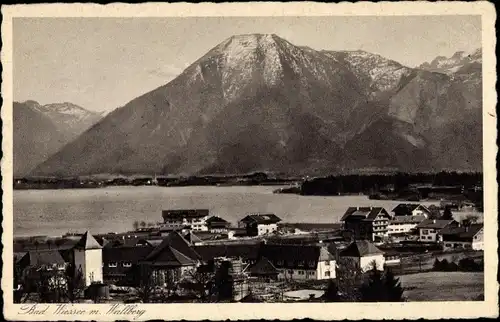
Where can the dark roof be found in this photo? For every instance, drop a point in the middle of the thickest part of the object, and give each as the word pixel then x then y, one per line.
pixel 192 237
pixel 216 219
pixel 209 252
pixel 174 249
pixel 363 213
pixel 185 213
pixel 360 248
pixel 434 223
pixel 407 208
pixel 407 219
pixel 291 252
pixel 87 242
pixel 132 254
pixel 460 233
pixel 262 267
pixel 262 218
pixel 42 258
pixel 169 256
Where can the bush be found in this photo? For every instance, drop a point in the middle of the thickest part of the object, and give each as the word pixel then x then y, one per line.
pixel 469 265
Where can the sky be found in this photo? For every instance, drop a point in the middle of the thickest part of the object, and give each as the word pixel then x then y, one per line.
pixel 103 63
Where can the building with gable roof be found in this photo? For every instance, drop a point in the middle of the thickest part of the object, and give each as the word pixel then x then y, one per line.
pixel 428 230
pixel 171 259
pixel 300 262
pixel 363 254
pixel 178 218
pixel 404 224
pixel 218 225
pixel 87 256
pixel 367 222
pixel 262 270
pixel 411 209
pixel 462 237
pixel 259 224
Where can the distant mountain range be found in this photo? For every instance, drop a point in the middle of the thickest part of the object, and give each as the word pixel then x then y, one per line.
pixel 41 130
pixel 259 103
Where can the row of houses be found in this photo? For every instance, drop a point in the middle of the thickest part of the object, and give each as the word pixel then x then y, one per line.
pixel 371 220
pixel 172 257
pixel 411 221
pixel 199 220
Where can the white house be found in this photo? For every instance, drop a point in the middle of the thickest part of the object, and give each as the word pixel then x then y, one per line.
pixel 259 224
pixel 411 209
pixel 463 237
pixel 404 224
pixel 363 254
pixel 301 262
pixel 87 256
pixel 428 230
pixel 194 218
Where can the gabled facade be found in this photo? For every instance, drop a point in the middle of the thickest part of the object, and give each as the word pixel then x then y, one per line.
pixel 369 223
pixel 217 224
pixel 260 224
pixel 171 259
pixel 363 254
pixel 411 209
pixel 178 218
pixel 463 237
pixel 428 230
pixel 300 262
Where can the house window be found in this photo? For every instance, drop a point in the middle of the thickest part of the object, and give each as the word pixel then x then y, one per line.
pixel 327 273
pixel 301 272
pixel 301 264
pixel 448 245
pixel 127 264
pixel 280 263
pixel 327 263
pixel 112 264
pixel 290 272
pixel 425 232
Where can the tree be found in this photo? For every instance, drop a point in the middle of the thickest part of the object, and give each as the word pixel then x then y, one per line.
pixel 19 287
pixel 136 225
pixel 143 224
pixel 202 281
pixel 373 290
pixel 447 215
pixel 51 285
pixel 434 212
pixel 146 285
pixel 382 287
pixel 74 281
pixel 393 286
pixel 349 280
pixel 332 292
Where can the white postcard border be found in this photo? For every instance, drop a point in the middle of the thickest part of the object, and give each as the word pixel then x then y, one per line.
pixel 320 311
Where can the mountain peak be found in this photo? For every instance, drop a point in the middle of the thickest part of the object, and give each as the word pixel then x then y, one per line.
pixel 454 63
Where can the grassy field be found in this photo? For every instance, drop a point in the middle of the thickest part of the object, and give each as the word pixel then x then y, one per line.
pixel 443 286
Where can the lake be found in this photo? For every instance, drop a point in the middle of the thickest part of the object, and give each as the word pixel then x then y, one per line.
pixel 114 209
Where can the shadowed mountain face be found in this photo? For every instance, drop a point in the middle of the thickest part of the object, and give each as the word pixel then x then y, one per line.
pixel 41 130
pixel 259 103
